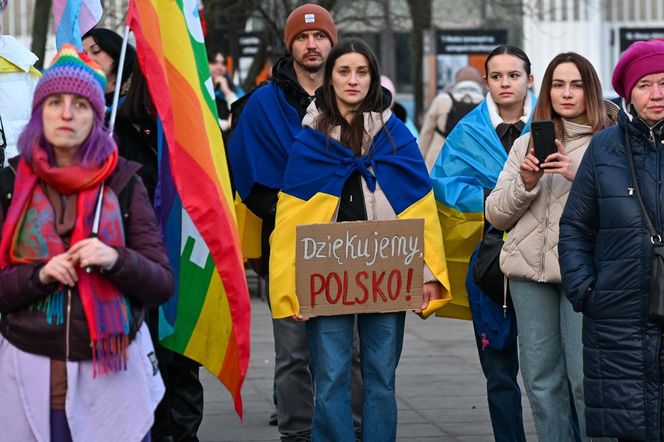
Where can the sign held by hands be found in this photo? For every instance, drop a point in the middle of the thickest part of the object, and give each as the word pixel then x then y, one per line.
pixel 359 267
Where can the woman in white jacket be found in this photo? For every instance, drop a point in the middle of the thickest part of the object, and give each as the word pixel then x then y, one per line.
pixel 18 79
pixel 528 201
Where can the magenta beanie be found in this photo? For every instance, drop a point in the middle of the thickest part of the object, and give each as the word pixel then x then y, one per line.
pixel 309 17
pixel 640 59
pixel 72 73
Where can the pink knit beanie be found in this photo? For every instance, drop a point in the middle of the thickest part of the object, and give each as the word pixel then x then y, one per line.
pixel 640 59
pixel 72 73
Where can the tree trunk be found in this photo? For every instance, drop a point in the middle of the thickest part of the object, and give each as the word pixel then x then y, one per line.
pixel 40 23
pixel 388 46
pixel 420 12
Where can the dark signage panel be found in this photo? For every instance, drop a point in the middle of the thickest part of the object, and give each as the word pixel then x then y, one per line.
pixel 249 42
pixel 458 42
pixel 631 35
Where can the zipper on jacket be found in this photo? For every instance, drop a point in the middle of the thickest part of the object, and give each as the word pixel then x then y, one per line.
pixel 546 226
pixel 68 324
pixel 375 213
pixel 658 182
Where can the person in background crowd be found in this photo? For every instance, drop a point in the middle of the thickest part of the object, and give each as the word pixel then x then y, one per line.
pixel 606 255
pixel 528 201
pixel 397 108
pixel 180 412
pixel 104 47
pixel 350 123
pixel 463 176
pixel 18 78
pixel 76 360
pixel 225 91
pixel 468 89
pixel 258 152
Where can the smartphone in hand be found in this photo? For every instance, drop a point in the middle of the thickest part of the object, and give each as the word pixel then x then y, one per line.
pixel 544 135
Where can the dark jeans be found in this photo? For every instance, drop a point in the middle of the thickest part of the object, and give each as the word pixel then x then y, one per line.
pixel 180 412
pixel 330 349
pixel 500 368
pixel 293 383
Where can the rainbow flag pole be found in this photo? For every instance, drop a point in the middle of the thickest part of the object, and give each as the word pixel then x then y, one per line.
pixel 116 92
pixel 208 318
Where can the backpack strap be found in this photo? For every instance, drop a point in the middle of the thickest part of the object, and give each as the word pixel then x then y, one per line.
pixel 442 132
pixel 7 178
pixel 124 198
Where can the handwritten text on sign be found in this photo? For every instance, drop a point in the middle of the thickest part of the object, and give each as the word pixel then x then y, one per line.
pixel 359 267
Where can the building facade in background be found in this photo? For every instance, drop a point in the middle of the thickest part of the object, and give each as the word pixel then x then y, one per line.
pixel 17 21
pixel 598 29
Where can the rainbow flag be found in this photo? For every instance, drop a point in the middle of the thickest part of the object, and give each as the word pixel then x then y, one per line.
pixel 73 18
pixel 469 162
pixel 208 318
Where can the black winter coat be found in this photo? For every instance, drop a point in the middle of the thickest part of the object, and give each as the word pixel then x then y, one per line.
pixel 605 259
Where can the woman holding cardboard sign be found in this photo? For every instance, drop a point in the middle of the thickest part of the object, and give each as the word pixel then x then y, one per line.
pixel 528 200
pixel 354 161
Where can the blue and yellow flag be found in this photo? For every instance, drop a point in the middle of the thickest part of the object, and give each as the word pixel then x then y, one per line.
pixel 258 154
pixel 317 170
pixel 470 161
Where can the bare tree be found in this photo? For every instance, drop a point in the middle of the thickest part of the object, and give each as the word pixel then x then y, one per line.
pixel 420 11
pixel 40 23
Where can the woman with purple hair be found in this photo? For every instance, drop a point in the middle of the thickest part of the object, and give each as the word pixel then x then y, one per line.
pixel 81 257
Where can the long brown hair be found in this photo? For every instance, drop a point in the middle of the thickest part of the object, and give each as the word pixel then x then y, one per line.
pixel 592 94
pixel 352 134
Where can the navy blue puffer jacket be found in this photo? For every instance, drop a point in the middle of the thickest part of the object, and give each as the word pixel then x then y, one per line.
pixel 605 253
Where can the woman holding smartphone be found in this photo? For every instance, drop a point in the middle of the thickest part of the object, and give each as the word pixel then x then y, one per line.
pixel 463 176
pixel 528 200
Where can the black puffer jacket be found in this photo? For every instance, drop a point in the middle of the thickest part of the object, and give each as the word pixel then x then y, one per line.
pixel 605 259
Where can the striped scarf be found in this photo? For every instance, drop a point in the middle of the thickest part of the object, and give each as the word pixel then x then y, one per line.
pixel 29 236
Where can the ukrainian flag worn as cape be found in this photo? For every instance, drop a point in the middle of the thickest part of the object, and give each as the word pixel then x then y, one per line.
pixel 317 170
pixel 258 150
pixel 470 161
pixel 258 153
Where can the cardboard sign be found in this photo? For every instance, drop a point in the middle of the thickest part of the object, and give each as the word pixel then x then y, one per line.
pixel 359 267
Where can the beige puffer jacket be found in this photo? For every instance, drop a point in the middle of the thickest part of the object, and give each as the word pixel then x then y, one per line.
pixel 531 249
pixel 431 141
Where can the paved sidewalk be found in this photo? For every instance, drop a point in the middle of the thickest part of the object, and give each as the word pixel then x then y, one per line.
pixel 440 387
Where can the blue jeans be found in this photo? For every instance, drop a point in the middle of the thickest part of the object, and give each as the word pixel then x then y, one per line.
pixel 330 341
pixel 551 354
pixel 293 383
pixel 500 368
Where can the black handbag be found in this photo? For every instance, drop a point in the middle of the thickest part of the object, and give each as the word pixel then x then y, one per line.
pixel 487 274
pixel 656 304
